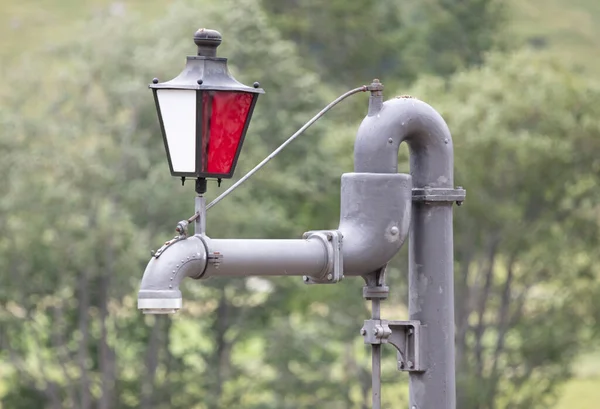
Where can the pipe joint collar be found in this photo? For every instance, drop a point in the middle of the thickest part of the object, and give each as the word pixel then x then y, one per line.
pixel 334 271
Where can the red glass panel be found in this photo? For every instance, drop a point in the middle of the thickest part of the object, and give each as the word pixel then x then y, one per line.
pixel 224 114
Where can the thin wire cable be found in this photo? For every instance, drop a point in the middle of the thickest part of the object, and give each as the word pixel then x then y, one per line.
pixel 364 88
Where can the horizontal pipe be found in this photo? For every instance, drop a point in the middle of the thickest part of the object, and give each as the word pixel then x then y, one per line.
pixel 242 258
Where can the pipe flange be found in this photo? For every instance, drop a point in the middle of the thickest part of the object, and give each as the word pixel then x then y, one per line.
pixel 332 240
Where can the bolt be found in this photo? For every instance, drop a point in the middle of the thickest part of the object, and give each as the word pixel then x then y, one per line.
pixel 305 278
pixel 410 364
pixel 152 253
pixel 401 365
pixel 459 187
pixel 394 230
pixel 330 277
pixel 256 84
pixel 363 331
pixel 458 203
pixel 410 331
pixel 329 236
pixel 200 81
pixel 374 331
pixel 155 80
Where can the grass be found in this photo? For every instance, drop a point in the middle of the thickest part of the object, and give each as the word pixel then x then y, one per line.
pixel 569 29
pixel 27 25
pixel 583 391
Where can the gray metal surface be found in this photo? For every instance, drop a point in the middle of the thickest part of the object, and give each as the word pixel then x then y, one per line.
pixel 242 258
pixel 405 336
pixel 333 240
pixel 431 288
pixel 200 220
pixel 159 291
pixel 374 219
pixel 376 358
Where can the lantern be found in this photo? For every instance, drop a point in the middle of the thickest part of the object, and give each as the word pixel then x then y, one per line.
pixel 204 113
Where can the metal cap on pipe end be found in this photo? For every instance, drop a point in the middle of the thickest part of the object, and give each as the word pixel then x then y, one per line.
pixel 159 305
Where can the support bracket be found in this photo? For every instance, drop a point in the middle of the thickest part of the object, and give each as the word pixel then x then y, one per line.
pixel 405 336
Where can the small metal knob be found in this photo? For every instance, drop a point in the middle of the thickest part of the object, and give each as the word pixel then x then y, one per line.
pixel 207 41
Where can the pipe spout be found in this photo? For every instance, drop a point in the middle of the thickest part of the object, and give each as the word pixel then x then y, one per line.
pixel 159 291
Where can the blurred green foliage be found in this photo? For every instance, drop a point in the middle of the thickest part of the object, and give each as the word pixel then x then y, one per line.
pixel 86 194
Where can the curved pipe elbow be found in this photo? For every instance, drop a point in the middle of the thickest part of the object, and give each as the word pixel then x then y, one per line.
pixel 374 219
pixel 159 291
pixel 422 127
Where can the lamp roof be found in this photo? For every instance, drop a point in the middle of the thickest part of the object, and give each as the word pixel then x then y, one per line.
pixel 206 71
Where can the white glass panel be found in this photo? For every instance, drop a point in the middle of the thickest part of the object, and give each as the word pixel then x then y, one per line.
pixel 178 109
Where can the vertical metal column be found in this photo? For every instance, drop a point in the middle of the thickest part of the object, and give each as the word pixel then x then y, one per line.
pixel 431 301
pixel 200 221
pixel 431 289
pixel 376 358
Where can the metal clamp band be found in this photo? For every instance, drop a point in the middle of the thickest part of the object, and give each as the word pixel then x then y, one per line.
pixel 432 194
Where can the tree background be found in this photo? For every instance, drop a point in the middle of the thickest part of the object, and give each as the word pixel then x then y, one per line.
pixel 85 195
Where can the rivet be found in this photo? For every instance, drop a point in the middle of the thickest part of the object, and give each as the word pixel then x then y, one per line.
pixel 174 271
pixel 401 365
pixel 446 141
pixel 170 286
pixel 256 84
pixel 330 277
pixel 390 140
pixel 410 364
pixel 394 230
pixel 363 331
pixel 155 80
pixel 306 279
pixel 374 331
pixel 200 81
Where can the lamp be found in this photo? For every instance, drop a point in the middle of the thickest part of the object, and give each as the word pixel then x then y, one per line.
pixel 204 113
